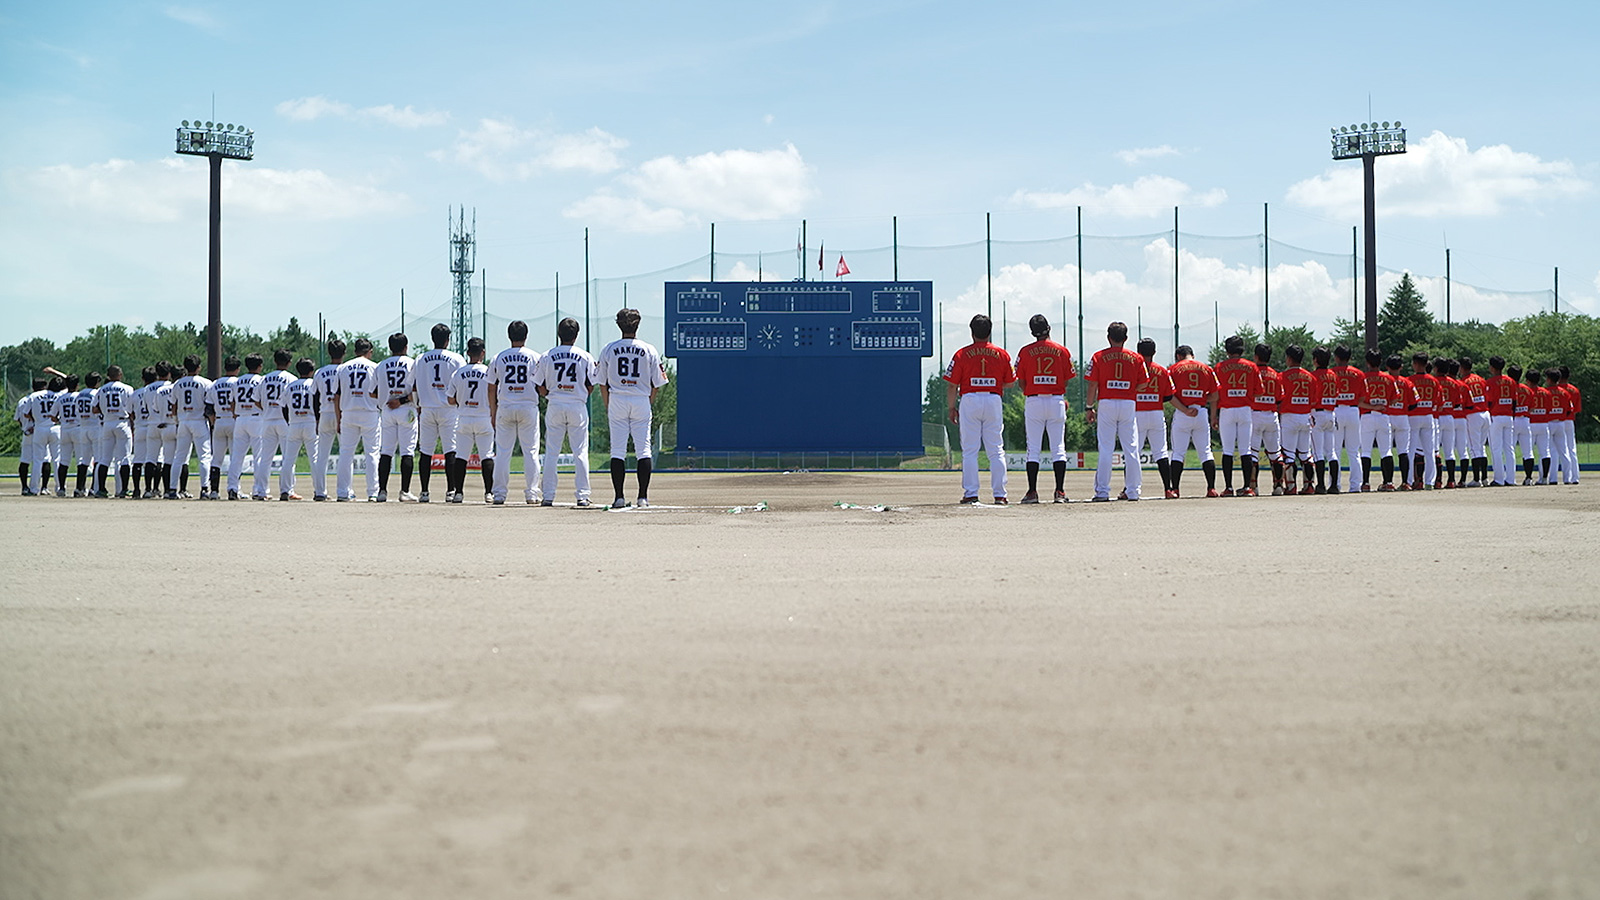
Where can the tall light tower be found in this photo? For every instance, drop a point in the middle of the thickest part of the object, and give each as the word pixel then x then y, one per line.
pixel 216 142
pixel 1369 141
pixel 463 260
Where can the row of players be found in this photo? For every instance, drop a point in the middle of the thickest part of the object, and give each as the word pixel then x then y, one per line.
pixel 1437 420
pixel 458 404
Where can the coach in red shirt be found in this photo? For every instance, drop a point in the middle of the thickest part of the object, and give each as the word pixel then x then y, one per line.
pixel 1113 376
pixel 978 374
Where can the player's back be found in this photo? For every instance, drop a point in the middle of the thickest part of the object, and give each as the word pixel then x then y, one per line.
pixel 301 401
pixel 567 373
pixel 189 393
pixel 1192 381
pixel 432 372
pixel 394 375
pixel 1237 381
pixel 1044 367
pixel 470 388
pixel 1270 394
pixel 631 366
pixel 512 375
pixel 222 396
pixel 116 399
pixel 356 383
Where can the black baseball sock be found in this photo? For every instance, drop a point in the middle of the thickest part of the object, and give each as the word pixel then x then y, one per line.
pixel 1366 470
pixel 407 464
pixel 1450 471
pixel 183 478
pixel 1033 478
pixel 644 478
pixel 1277 473
pixel 619 474
pixel 216 477
pixel 426 469
pixel 1545 471
pixel 1209 467
pixel 1164 466
pixel 384 464
pixel 1322 477
pixel 123 472
pixel 166 476
pixel 61 477
pixel 22 473
pixel 1388 470
pixel 1227 471
pixel 1175 469
pixel 1061 474
pixel 488 474
pixel 83 475
pixel 100 473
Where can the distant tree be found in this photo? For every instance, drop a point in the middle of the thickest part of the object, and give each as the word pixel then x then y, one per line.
pixel 1351 334
pixel 1404 318
pixel 1278 337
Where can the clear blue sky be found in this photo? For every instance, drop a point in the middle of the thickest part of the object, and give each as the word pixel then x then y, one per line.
pixel 646 122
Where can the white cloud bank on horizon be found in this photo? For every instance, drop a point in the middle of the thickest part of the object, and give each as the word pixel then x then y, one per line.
pixel 1140 154
pixel 1441 176
pixel 500 151
pixel 668 193
pixel 1149 195
pixel 309 109
pixel 168 190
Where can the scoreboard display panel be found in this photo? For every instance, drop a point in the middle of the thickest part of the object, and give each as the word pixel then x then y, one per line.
pixel 814 366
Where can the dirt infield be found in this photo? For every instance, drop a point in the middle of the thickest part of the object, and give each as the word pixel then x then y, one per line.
pixel 1352 697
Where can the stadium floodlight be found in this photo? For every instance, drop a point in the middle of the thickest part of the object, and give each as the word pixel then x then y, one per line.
pixel 216 142
pixel 1368 142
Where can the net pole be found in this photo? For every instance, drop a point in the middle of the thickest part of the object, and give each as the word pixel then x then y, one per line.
pixel 1266 272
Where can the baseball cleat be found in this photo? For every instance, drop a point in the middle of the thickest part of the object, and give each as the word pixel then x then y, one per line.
pixel 1212 492
pixel 499 501
pixel 488 499
pixel 1366 489
pixel 62 492
pixel 547 503
pixel 584 504
pixel 1228 492
pixel 172 495
pixel 1247 492
pixel 1307 491
pixel 1001 501
pixel 78 494
pixel 423 497
pixel 1030 498
pixel 315 498
pixel 642 502
pixel 343 500
pixel 530 499
pixel 1100 500
pixel 407 497
pixel 1170 494
pixel 967 501
pixel 1060 497
pixel 381 497
pixel 233 494
pixel 1122 495
pixel 1277 490
pixel 291 495
pixel 260 497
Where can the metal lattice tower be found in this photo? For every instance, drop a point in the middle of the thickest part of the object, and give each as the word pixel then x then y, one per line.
pixel 463 260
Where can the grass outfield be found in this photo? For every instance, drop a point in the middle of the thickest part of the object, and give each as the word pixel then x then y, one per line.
pixel 1362 696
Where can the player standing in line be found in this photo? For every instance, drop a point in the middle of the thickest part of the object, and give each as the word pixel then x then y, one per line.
pixel 977 375
pixel 1043 369
pixel 1501 395
pixel 1569 428
pixel 113 402
pixel 1376 390
pixel 1477 420
pixel 190 395
pixel 1449 395
pixel 29 417
pixel 52 412
pixel 67 405
pixel 565 377
pixel 630 375
pixel 1112 377
pixel 274 420
pixel 247 408
pixel 1522 428
pixel 355 413
pixel 436 425
pixel 89 426
pixel 141 432
pixel 1402 397
pixel 1538 419
pixel 1556 413
pixel 1424 430
pixel 1324 425
pixel 514 410
pixel 327 381
pixel 1265 433
pixel 1351 382
pixel 469 394
pixel 1194 397
pixel 397 395
pixel 301 405
pixel 1150 415
pixel 1238 382
pixel 222 419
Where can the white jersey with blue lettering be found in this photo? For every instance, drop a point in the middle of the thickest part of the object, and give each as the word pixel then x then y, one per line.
pixel 190 394
pixel 512 375
pixel 432 374
pixel 631 367
pixel 567 374
pixel 357 385
pixel 470 388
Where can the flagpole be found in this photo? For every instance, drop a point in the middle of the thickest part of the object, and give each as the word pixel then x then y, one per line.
pixel 804 246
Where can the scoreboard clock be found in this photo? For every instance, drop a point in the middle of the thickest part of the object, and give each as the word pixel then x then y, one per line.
pixel 813 366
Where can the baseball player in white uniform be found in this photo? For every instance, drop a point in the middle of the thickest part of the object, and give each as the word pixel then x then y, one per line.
pixel 50 410
pixel 164 434
pixel 190 394
pixel 630 376
pixel 301 405
pixel 67 407
pixel 327 382
pixel 35 436
pixel 514 407
pixel 223 419
pixel 397 434
pixel 247 409
pixel 114 404
pixel 143 473
pixel 469 395
pixel 274 420
pixel 566 376
pixel 356 412
pixel 436 418
pixel 89 422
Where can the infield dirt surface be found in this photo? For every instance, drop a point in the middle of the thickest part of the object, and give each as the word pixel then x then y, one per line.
pixel 1354 697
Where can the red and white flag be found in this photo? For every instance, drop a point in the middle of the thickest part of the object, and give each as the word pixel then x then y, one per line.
pixel 843 269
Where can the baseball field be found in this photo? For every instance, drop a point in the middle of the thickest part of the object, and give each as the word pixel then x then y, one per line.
pixel 1324 697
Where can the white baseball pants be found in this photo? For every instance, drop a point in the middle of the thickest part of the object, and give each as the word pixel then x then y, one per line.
pixel 475 431
pixel 569 422
pixel 398 436
pixel 357 427
pixel 629 417
pixel 246 434
pixel 274 432
pixel 298 434
pixel 1191 431
pixel 436 426
pixel 982 420
pixel 1502 431
pixel 1115 424
pixel 1375 432
pixel 519 422
pixel 194 436
pixel 1151 425
pixel 1424 443
pixel 1233 427
pixel 1044 418
pixel 320 450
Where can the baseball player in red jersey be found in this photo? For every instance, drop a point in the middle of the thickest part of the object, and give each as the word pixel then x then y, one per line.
pixel 1112 377
pixel 1238 383
pixel 976 376
pixel 1522 426
pixel 1538 418
pixel 1477 420
pixel 1300 392
pixel 1560 466
pixel 1350 383
pixel 1402 397
pixel 1324 424
pixel 1424 430
pixel 1150 415
pixel 1043 369
pixel 1375 432
pixel 1569 428
pixel 1194 397
pixel 1501 395
pixel 1265 434
pixel 1449 418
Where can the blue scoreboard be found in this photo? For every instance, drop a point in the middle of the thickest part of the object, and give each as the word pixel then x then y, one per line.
pixel 801 365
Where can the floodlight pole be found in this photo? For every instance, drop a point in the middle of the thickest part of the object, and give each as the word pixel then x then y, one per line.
pixel 215 142
pixel 1369 141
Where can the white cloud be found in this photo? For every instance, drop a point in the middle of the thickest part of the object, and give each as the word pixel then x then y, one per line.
pixel 742 271
pixel 500 151
pixel 1440 176
pixel 168 190
pixel 308 109
pixel 192 16
pixel 1140 154
pixel 668 192
pixel 1149 195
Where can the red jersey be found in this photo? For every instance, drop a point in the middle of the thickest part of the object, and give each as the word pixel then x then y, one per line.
pixel 1299 390
pixel 1116 370
pixel 1379 386
pixel 1328 392
pixel 1271 392
pixel 1524 400
pixel 1044 367
pixel 1477 392
pixel 1444 402
pixel 1238 382
pixel 1351 383
pixel 1428 390
pixel 980 368
pixel 1463 398
pixel 1538 404
pixel 1557 410
pixel 1402 395
pixel 1575 401
pixel 1193 382
pixel 1154 392
pixel 1502 395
